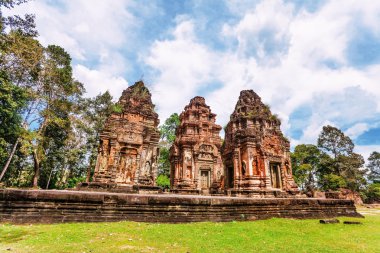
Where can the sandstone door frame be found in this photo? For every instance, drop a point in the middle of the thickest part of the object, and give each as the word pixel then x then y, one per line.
pixel 205 178
pixel 275 175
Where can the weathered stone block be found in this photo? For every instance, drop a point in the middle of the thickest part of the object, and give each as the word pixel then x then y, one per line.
pixel 128 150
pixel 352 222
pixel 329 221
pixel 196 162
pixel 23 206
pixel 255 152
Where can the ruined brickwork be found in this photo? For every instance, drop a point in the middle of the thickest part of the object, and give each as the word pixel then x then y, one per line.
pixel 254 160
pixel 44 206
pixel 128 150
pixel 255 153
pixel 256 164
pixel 196 164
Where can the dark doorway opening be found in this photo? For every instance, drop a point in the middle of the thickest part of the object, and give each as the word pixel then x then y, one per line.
pixel 275 174
pixel 230 177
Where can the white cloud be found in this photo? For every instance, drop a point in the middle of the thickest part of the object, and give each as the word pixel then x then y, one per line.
pixel 366 150
pixel 356 130
pixel 263 31
pixel 91 24
pixel 183 65
pixel 93 32
pixel 300 73
pixel 98 81
pixel 289 58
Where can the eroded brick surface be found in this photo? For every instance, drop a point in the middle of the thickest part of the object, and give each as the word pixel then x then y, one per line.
pixel 256 153
pixel 196 163
pixel 50 206
pixel 128 150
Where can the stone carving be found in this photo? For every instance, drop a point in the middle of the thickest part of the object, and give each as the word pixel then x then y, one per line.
pixel 187 155
pixel 206 148
pixel 146 171
pixel 255 152
pixel 195 157
pixel 128 147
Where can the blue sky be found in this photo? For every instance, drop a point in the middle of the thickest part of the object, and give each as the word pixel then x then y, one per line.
pixel 313 62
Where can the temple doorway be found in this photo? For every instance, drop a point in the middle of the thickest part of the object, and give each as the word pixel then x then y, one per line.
pixel 205 179
pixel 230 177
pixel 275 175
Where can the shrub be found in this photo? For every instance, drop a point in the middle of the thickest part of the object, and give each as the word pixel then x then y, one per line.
pixel 72 182
pixel 372 193
pixel 163 181
pixel 333 182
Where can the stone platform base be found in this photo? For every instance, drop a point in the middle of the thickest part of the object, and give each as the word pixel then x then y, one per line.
pixel 203 192
pixel 187 191
pixel 113 187
pixel 270 193
pixel 44 206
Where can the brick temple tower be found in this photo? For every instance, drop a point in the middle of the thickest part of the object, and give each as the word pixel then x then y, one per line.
pixel 128 150
pixel 196 164
pixel 255 152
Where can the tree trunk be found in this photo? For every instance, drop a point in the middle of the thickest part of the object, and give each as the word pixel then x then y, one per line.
pixel 311 181
pixel 5 168
pixel 36 169
pixel 9 159
pixel 48 182
pixel 88 177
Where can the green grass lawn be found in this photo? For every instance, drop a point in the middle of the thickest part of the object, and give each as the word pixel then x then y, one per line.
pixel 274 235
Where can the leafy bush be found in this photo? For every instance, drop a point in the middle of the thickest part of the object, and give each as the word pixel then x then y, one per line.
pixel 163 181
pixel 372 193
pixel 333 182
pixel 117 108
pixel 72 182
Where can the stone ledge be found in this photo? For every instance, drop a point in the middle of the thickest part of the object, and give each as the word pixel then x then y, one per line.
pixel 43 206
pixel 113 187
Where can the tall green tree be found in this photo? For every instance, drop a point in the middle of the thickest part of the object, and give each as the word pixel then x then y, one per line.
pixel 20 52
pixel 20 55
pixel 333 141
pixel 58 94
pixel 374 166
pixel 305 163
pixel 353 171
pixel 167 131
pixel 12 102
pixel 340 167
pixel 372 192
pixel 81 146
pixel 61 130
pixel 95 112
